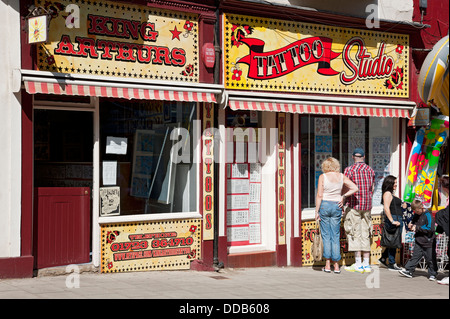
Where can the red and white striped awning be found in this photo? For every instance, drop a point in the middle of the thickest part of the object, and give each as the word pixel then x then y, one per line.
pixel 349 110
pixel 101 86
pixel 34 87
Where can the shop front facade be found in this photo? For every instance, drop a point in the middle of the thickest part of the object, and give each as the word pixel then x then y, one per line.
pixel 121 104
pixel 114 103
pixel 302 90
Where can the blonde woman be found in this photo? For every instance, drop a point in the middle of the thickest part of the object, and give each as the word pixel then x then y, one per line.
pixel 329 204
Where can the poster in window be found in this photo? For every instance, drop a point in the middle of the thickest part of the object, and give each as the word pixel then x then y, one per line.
pixel 239 170
pixel 324 143
pixel 237 201
pixel 254 233
pixel 109 201
pixel 323 126
pixel 238 234
pixel 356 126
pixel 255 192
pixel 254 213
pixel 109 172
pixel 356 141
pixel 381 144
pixel 237 217
pixel 244 204
pixel 381 162
pixel 318 160
pixel 255 172
pixel 116 145
pixel 238 186
pixel 356 135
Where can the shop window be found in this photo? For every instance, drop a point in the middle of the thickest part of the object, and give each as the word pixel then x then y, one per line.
pixel 243 178
pixel 337 136
pixel 139 155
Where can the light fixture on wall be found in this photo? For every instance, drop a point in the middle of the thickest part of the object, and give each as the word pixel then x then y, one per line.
pixel 38 20
pixel 423 5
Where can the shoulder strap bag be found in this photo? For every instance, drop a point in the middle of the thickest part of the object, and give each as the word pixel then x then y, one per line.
pixel 317 244
pixel 391 236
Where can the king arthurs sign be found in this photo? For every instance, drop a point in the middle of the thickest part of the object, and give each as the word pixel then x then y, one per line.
pixel 124 40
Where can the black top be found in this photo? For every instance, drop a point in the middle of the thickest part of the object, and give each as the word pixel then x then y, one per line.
pixel 396 206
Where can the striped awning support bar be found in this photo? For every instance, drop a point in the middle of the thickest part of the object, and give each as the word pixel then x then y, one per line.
pixel 33 87
pixel 373 111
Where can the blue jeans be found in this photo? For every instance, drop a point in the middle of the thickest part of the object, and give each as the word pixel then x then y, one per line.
pixel 389 253
pixel 330 227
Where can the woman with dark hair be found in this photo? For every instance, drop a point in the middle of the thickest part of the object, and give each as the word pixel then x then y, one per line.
pixel 392 207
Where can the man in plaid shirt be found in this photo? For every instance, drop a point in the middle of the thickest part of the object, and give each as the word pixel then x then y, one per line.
pixel 358 219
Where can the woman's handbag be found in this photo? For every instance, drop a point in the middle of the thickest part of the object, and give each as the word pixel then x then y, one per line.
pixel 391 237
pixel 317 245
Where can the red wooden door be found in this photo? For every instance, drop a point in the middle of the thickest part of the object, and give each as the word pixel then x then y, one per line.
pixel 62 226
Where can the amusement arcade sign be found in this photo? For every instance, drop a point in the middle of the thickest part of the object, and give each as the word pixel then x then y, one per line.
pixel 275 55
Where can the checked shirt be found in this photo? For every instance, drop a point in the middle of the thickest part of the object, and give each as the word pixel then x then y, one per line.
pixel 363 176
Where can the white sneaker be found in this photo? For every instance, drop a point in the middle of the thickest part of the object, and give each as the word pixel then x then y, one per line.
pixel 354 268
pixel 444 281
pixel 367 268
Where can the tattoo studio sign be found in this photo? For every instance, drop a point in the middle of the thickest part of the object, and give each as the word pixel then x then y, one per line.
pixel 120 39
pixel 157 245
pixel 277 55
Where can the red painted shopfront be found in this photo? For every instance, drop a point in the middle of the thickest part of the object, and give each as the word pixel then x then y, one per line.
pixel 99 105
pixel 306 77
pixel 154 74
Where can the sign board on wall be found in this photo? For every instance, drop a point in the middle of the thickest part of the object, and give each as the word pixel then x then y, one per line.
pixel 120 39
pixel 208 171
pixel 156 245
pixel 281 179
pixel 309 231
pixel 37 29
pixel 277 55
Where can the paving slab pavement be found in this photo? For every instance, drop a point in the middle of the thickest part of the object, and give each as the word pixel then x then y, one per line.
pixel 229 284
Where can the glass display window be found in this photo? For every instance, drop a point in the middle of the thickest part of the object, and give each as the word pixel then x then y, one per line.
pixel 146 151
pixel 337 136
pixel 243 179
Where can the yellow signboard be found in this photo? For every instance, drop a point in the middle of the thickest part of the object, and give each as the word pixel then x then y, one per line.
pixel 37 29
pixel 120 39
pixel 309 231
pixel 276 55
pixel 156 245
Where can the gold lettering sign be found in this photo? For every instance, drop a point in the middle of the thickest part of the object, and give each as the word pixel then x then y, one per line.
pixel 119 39
pixel 157 245
pixel 208 171
pixel 309 231
pixel 276 55
pixel 281 179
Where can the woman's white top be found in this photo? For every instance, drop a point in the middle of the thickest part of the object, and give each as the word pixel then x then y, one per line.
pixel 332 190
